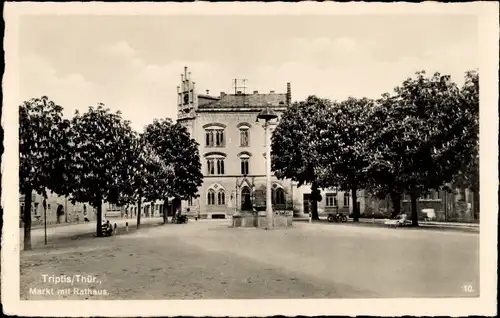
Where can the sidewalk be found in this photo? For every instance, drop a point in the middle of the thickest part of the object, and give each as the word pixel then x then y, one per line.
pixel 56 233
pixel 428 224
pixel 380 222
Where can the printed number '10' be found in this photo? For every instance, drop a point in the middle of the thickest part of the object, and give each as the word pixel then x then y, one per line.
pixel 468 288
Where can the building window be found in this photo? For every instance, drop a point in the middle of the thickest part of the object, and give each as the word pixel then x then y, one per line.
pixel 220 166
pixel 331 200
pixel 221 197
pixel 215 163
pixel 211 197
pixel 244 166
pixel 210 166
pixel 190 201
pixel 346 199
pixel 278 196
pixel 215 166
pixel 214 138
pixel 244 136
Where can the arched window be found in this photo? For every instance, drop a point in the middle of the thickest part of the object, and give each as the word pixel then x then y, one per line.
pixel 244 134
pixel 244 166
pixel 244 137
pixel 244 162
pixel 211 197
pixel 221 197
pixel 215 163
pixel 214 135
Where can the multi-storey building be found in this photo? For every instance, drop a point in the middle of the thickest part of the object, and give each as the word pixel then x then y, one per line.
pixel 232 146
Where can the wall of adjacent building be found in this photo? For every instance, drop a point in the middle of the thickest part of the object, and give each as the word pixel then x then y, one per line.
pixel 72 212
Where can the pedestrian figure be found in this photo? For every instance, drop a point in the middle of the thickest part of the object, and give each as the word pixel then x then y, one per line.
pixel 107 228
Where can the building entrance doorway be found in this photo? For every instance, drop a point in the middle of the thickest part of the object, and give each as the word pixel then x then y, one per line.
pixel 246 201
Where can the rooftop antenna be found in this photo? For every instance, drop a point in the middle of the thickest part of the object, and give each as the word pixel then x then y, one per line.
pixel 239 85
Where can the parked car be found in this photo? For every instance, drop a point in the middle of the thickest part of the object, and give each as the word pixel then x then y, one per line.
pixel 401 220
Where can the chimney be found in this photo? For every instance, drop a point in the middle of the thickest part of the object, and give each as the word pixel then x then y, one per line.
pixel 288 94
pixel 255 92
pixel 222 94
pixel 271 92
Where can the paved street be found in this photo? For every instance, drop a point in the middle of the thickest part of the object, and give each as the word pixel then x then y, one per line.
pixel 206 260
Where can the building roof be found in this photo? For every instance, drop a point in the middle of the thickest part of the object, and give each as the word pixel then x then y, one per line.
pixel 246 101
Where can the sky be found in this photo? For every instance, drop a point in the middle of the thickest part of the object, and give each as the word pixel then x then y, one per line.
pixel 133 63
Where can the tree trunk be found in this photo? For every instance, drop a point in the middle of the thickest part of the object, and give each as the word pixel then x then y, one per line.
pixel 414 211
pixel 139 202
pixel 27 219
pixel 396 204
pixel 165 211
pixel 99 216
pixel 355 210
pixel 314 201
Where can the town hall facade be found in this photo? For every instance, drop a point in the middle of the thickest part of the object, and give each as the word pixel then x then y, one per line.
pixel 232 146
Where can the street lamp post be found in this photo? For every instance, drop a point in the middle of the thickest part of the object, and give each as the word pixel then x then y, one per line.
pixel 267 115
pixel 45 219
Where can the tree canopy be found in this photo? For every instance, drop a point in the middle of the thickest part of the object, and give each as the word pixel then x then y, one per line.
pixel 416 145
pixel 180 158
pixel 102 147
pixel 294 143
pixel 44 137
pixel 342 147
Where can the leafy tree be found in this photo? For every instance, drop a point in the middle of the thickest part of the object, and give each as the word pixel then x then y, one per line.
pixel 385 165
pixel 342 148
pixel 468 173
pixel 102 146
pixel 147 171
pixel 178 152
pixel 44 139
pixel 419 148
pixel 294 142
